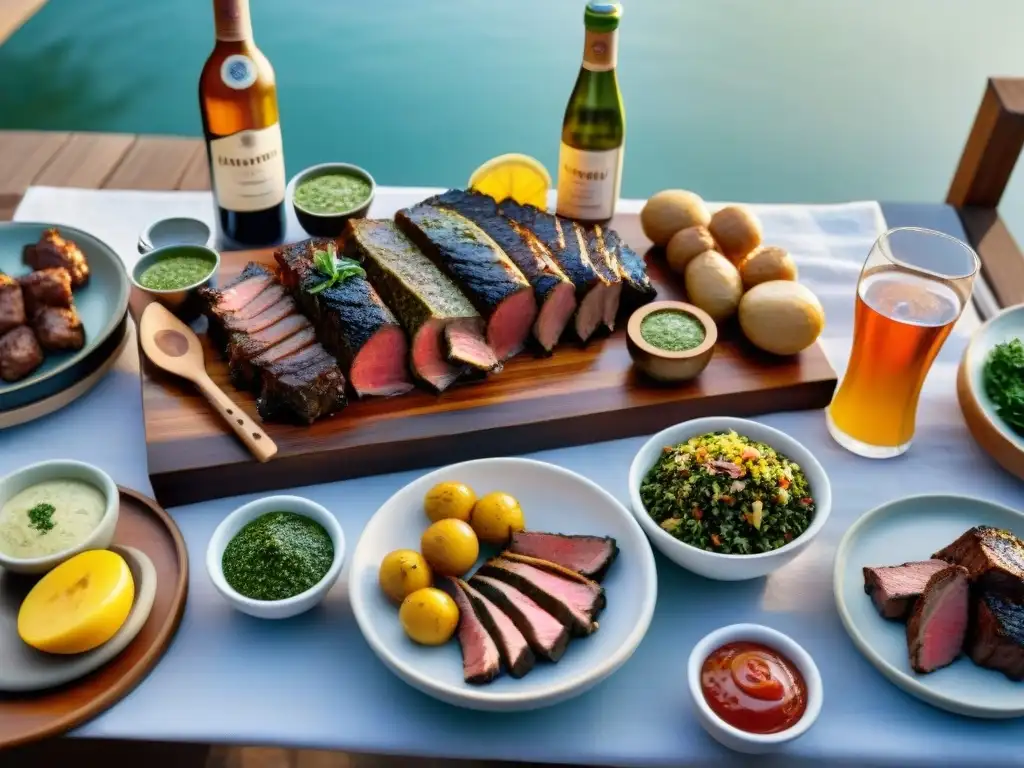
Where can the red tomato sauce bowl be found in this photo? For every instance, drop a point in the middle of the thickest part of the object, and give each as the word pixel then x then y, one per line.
pixel 753 688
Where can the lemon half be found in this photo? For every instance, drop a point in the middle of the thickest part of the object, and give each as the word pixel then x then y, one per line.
pixel 520 177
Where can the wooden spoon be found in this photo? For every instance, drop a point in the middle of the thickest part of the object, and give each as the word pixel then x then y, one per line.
pixel 172 345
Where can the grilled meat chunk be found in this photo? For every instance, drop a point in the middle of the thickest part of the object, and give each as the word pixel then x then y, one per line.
pixel 12 304
pixel 481 659
pixel 59 328
pixel 351 320
pixel 20 353
pixel 637 288
pixel 607 270
pixel 241 291
pixel 547 636
pixel 590 556
pixel 309 388
pixel 512 646
pixel 53 250
pixel 994 558
pixel 245 372
pixel 239 321
pixel 446 333
pixel 938 624
pixel 996 637
pixel 554 292
pixel 480 268
pixel 46 288
pixel 894 588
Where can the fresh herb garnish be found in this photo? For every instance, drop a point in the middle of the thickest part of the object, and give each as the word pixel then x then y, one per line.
pixel 337 270
pixel 1004 382
pixel 40 517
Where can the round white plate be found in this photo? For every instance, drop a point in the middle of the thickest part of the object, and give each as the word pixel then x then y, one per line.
pixel 553 500
pixel 913 528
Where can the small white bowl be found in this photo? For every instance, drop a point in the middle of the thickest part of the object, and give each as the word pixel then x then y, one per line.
pixel 730 736
pixel 62 469
pixel 715 565
pixel 291 606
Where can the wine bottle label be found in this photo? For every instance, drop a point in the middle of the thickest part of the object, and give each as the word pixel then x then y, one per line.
pixel 248 169
pixel 588 182
pixel 238 72
pixel 600 51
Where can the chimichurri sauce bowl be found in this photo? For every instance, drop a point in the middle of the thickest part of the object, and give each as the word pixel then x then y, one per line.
pixel 174 274
pixel 288 553
pixel 326 196
pixel 671 341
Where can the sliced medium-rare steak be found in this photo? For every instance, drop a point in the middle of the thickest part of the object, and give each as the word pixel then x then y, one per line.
pixel 997 636
pixel 555 293
pixel 564 240
pixel 249 284
pixel 607 270
pixel 283 307
pixel 481 659
pixel 480 268
pixel 45 288
pixel 20 353
pixel 246 346
pixel 938 624
pixel 12 304
pixel 894 588
pixel 547 636
pixel 994 559
pixel 245 373
pixel 513 647
pixel 440 320
pixel 309 390
pixel 574 601
pixel 589 556
pixel 58 328
pixel 637 288
pixel 352 322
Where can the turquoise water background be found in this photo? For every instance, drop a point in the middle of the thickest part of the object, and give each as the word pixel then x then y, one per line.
pixel 758 100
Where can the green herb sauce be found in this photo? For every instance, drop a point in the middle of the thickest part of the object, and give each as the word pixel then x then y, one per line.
pixel 672 330
pixel 1004 382
pixel 332 193
pixel 40 517
pixel 173 272
pixel 277 555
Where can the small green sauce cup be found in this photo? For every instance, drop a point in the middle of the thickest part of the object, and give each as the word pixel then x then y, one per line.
pixel 330 224
pixel 183 301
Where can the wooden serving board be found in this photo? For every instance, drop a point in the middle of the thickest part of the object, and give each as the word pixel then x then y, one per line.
pixel 577 395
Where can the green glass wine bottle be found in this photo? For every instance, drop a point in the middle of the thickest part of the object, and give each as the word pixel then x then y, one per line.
pixel 594 128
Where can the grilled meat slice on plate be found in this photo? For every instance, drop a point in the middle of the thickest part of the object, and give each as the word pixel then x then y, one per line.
pixel 547 636
pixel 996 637
pixel 446 332
pixel 480 268
pixel 938 624
pixel 12 304
pixel 590 556
pixel 481 659
pixel 351 320
pixel 894 588
pixel 20 353
pixel 513 647
pixel 555 293
pixel 994 559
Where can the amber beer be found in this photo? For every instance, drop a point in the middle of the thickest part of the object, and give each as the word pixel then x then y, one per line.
pixel 903 315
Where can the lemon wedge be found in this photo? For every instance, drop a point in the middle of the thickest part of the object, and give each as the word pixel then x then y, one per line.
pixel 79 605
pixel 520 177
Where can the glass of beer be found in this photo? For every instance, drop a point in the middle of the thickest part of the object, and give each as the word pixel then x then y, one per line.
pixel 912 288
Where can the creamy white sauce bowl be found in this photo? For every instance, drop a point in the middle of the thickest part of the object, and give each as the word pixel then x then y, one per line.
pixel 62 469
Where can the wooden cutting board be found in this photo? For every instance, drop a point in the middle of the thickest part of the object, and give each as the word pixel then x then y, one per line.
pixel 578 395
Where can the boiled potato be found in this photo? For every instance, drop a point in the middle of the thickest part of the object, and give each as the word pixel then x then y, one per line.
pixel 766 263
pixel 446 500
pixel 671 210
pixel 781 316
pixel 686 244
pixel 402 572
pixel 450 546
pixel 737 230
pixel 496 517
pixel 429 616
pixel 714 285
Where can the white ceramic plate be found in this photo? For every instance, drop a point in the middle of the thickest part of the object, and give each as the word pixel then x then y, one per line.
pixel 553 499
pixel 912 529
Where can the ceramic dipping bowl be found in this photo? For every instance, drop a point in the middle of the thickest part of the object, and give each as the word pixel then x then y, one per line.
pixel 184 302
pixel 663 365
pixel 330 224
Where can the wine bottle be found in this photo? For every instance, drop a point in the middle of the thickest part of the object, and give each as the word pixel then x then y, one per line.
pixel 238 101
pixel 594 127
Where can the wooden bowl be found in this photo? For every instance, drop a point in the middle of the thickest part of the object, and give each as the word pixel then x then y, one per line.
pixel 661 364
pixel 988 429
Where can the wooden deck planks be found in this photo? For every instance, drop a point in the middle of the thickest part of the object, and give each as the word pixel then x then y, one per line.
pixel 197 175
pixel 23 155
pixel 14 13
pixel 155 163
pixel 86 160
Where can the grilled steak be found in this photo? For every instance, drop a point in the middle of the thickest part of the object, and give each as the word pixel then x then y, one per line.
pixel 482 270
pixel 440 321
pixel 637 288
pixel 59 328
pixel 605 264
pixel 571 601
pixel 245 372
pixel 245 346
pixel 515 651
pixel 547 636
pixel 53 250
pixel 309 387
pixel 352 322
pixel 564 240
pixel 12 304
pixel 994 559
pixel 481 660
pixel 20 353
pixel 894 588
pixel 253 280
pixel 997 636
pixel 46 288
pixel 589 556
pixel 284 306
pixel 938 624
pixel 554 292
